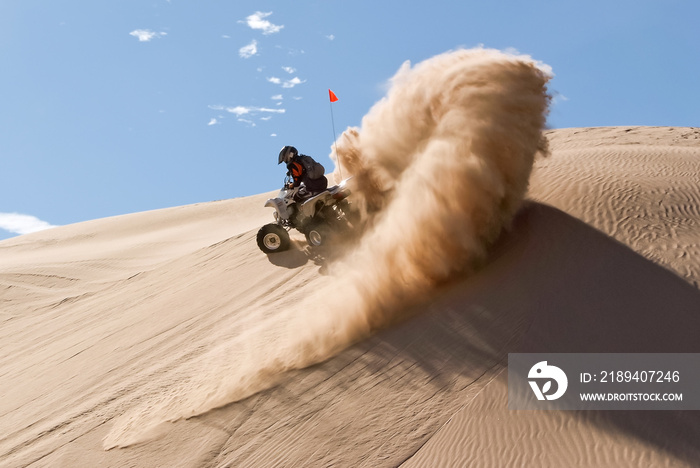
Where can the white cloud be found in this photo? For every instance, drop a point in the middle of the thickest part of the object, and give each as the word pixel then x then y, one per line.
pixel 22 223
pixel 248 122
pixel 249 50
pixel 289 70
pixel 277 97
pixel 330 37
pixel 257 110
pixel 246 113
pixel 257 21
pixel 286 84
pixel 243 110
pixel 292 83
pixel 273 134
pixel 145 35
pixel 239 110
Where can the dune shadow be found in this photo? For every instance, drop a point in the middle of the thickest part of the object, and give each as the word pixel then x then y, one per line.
pixel 553 284
pixel 596 295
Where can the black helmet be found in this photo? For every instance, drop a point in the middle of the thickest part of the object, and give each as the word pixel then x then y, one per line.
pixel 286 155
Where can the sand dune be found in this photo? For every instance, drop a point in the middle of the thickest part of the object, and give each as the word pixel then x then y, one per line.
pixel 167 338
pixel 99 317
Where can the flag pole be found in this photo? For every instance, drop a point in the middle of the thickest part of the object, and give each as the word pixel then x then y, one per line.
pixel 332 99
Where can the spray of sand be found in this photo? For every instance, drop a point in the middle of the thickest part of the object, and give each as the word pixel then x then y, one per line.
pixel 440 166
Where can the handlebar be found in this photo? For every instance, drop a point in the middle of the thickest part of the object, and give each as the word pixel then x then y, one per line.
pixel 288 181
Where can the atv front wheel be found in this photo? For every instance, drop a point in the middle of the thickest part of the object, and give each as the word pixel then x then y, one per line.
pixel 273 238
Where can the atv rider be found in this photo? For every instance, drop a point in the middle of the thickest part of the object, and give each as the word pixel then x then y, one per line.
pixel 300 174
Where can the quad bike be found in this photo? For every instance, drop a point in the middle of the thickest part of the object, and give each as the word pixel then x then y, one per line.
pixel 317 217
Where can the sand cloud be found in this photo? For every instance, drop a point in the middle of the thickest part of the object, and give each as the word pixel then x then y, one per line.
pixel 17 223
pixel 441 166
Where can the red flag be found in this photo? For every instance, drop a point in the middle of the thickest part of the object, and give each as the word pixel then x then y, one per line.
pixel 332 95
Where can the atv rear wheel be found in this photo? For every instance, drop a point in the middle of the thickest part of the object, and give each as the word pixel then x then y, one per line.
pixel 317 235
pixel 273 238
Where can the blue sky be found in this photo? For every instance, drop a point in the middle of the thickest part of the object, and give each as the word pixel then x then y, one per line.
pixel 118 106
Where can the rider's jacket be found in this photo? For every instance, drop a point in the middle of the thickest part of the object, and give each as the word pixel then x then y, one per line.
pixel 296 170
pixel 298 173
